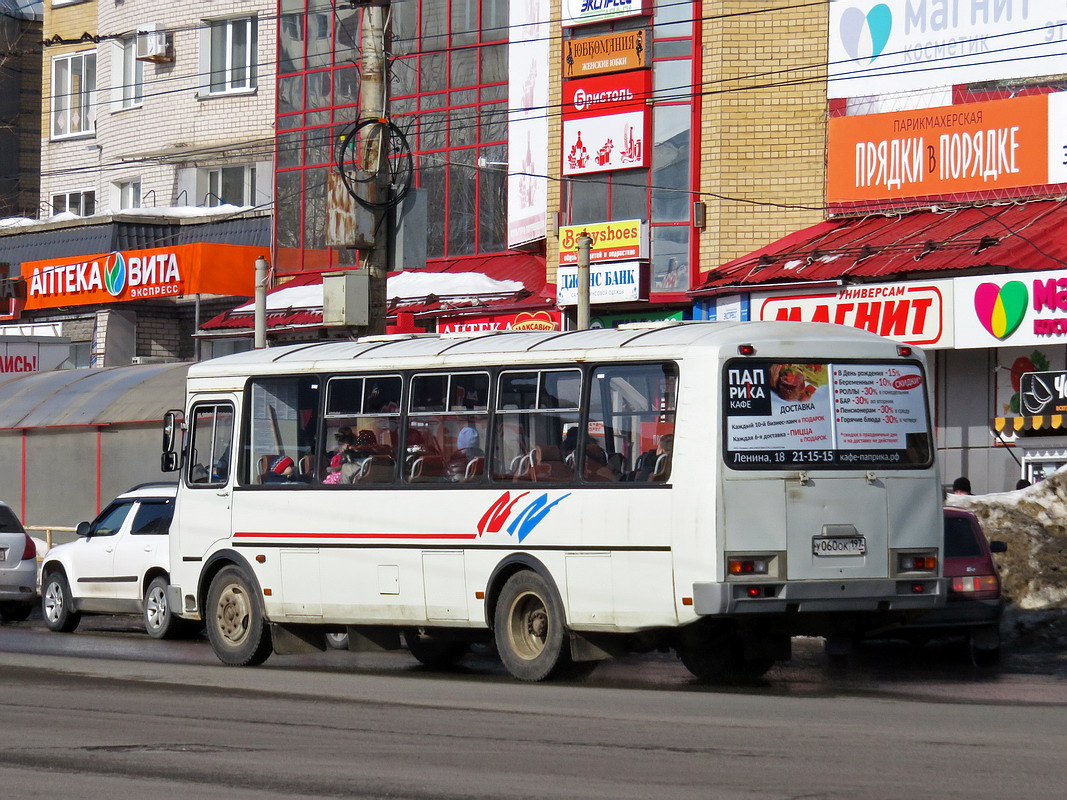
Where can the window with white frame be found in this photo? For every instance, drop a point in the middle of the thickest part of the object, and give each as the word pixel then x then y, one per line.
pixel 73 88
pixel 231 45
pixel 82 202
pixel 132 89
pixel 234 186
pixel 129 193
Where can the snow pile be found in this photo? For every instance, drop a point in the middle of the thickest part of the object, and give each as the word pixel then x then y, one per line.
pixel 1033 521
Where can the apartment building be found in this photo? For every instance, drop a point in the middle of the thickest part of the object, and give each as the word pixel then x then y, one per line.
pixel 156 174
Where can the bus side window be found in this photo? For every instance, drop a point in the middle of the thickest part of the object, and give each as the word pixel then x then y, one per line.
pixel 631 422
pixel 209 445
pixel 448 425
pixel 537 411
pixel 283 423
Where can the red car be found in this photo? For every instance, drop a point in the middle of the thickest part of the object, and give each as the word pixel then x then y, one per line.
pixel 974 605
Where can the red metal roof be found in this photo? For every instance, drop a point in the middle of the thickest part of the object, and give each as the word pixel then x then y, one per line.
pixel 1024 236
pixel 525 268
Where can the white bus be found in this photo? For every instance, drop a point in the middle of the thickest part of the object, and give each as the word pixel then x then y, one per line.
pixel 709 487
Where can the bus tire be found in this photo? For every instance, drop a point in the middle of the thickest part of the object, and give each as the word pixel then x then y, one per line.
pixel 431 652
pixel 718 656
pixel 528 627
pixel 57 605
pixel 236 627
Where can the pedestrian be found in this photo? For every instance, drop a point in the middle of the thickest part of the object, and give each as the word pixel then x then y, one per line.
pixel 961 485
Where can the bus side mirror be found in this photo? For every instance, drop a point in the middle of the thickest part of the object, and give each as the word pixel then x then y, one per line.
pixel 171 424
pixel 170 430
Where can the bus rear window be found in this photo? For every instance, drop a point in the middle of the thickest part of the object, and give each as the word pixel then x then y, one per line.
pixel 823 414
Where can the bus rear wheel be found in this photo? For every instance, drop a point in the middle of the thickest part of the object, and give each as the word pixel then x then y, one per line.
pixel 528 627
pixel 235 622
pixel 717 655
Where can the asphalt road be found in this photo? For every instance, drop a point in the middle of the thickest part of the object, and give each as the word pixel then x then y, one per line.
pixel 108 713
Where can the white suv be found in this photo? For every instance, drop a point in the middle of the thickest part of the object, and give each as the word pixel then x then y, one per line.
pixel 120 564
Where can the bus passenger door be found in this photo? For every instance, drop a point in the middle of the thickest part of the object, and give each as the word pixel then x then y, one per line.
pixel 202 515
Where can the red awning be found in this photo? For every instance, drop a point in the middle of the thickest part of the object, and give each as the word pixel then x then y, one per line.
pixel 289 308
pixel 1024 236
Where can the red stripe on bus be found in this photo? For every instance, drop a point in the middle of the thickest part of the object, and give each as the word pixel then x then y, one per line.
pixel 251 534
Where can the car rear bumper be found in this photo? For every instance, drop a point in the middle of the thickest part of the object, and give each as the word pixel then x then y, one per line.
pixel 890 594
pixel 19 584
pixel 960 614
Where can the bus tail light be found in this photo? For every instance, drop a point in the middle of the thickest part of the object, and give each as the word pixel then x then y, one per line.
pixel 746 350
pixel 904 351
pixel 747 566
pixel 916 562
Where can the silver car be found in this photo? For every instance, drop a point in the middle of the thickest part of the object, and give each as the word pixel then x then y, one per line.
pixel 18 568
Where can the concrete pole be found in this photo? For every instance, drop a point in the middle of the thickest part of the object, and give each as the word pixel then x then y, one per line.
pixel 261 303
pixel 375 156
pixel 585 244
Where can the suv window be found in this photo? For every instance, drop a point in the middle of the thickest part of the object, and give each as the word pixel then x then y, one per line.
pixel 153 517
pixel 9 523
pixel 109 522
pixel 960 541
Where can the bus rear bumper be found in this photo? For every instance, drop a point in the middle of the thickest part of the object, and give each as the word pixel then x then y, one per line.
pixel 887 594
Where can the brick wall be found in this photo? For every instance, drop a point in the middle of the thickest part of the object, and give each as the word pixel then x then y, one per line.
pixel 175 123
pixel 759 142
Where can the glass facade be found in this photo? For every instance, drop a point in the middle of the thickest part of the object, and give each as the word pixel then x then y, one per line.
pixel 448 94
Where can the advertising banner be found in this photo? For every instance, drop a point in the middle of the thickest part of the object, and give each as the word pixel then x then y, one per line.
pixel 584 12
pixel 615 282
pixel 1043 393
pixel 892 46
pixel 546 320
pixel 824 414
pixel 918 313
pixel 1011 310
pixel 950 150
pixel 606 123
pixel 599 55
pixel 528 56
pixel 183 269
pixel 612 241
pixel 32 354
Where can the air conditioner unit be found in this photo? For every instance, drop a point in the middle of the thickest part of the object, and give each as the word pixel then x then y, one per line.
pixel 153 360
pixel 154 44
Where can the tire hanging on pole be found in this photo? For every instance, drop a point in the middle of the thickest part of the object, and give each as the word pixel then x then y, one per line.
pixel 400 161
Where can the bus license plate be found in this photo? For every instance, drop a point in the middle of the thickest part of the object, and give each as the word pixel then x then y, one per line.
pixel 3 554
pixel 838 545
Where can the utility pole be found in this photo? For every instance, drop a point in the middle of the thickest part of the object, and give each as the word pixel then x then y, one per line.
pixel 374 157
pixel 585 243
pixel 260 304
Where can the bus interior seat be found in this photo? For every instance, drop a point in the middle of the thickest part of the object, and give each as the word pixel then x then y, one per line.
pixel 548 464
pixel 426 468
pixel 263 466
pixel 475 469
pixel 376 469
pixel 662 469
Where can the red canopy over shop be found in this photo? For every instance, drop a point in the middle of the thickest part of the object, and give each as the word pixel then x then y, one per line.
pixel 1024 236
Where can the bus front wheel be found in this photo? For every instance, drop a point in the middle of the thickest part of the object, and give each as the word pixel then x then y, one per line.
pixel 528 627
pixel 235 624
